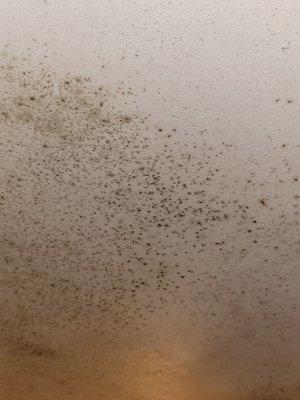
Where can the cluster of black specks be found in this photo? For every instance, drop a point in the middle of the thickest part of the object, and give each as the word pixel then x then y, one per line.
pixel 106 220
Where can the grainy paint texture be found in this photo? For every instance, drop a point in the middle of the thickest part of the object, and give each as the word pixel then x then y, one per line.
pixel 149 166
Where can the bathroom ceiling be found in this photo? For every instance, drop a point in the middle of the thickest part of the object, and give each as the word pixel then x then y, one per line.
pixel 149 166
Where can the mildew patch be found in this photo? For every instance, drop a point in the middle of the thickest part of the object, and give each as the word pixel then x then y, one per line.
pixel 122 241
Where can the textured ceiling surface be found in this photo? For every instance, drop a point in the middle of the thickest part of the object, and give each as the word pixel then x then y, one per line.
pixel 149 164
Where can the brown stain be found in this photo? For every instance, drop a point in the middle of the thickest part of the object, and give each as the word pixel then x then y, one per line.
pixel 107 224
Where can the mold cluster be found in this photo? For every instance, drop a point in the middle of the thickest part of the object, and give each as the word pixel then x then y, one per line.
pixel 110 225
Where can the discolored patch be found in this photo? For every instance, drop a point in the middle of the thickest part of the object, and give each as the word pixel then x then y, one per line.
pixel 138 262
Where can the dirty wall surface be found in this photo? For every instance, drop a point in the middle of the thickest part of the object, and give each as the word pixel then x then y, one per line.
pixel 149 164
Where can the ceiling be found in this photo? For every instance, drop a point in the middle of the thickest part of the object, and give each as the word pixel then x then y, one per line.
pixel 149 166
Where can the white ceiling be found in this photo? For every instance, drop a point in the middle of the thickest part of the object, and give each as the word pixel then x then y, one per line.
pixel 149 164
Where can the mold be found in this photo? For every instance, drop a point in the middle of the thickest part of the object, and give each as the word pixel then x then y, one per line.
pixel 120 238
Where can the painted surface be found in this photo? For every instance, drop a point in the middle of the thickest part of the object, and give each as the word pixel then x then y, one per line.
pixel 149 166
